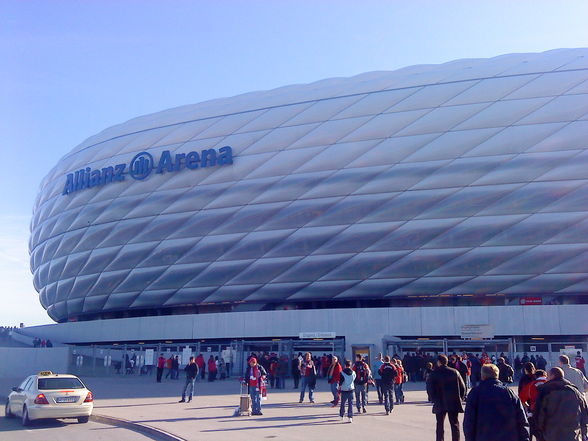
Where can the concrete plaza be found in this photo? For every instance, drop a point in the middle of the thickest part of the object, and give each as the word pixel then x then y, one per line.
pixel 210 415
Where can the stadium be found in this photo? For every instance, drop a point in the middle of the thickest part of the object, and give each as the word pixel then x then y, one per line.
pixel 387 209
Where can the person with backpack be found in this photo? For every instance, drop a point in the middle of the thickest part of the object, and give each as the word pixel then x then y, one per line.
pixel 254 378
pixel 388 374
pixel 347 386
pixel 362 375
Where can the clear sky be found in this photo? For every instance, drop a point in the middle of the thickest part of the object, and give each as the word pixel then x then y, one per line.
pixel 72 68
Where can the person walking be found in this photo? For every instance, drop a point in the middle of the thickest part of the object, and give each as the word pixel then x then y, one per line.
pixel 296 363
pixel 347 385
pixel 362 375
pixel 333 377
pixel 493 411
pixel 255 375
pixel 308 375
pixel 160 365
pixel 506 372
pixel 562 412
pixel 377 378
pixel 169 366
pixel 191 370
pixel 200 362
pixel 527 377
pixel 447 391
pixel 528 396
pixel 387 373
pixel 573 375
pixel 399 381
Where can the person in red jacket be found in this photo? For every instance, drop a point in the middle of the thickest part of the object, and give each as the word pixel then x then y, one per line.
pixel 333 377
pixel 201 364
pixel 398 380
pixel 160 366
pixel 211 369
pixel 528 395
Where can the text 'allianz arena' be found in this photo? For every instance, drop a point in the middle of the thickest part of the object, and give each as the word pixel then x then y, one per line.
pixel 468 178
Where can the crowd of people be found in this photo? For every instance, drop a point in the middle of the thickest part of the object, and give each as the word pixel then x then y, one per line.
pixel 549 406
pixel 42 343
pixel 215 367
pixel 5 332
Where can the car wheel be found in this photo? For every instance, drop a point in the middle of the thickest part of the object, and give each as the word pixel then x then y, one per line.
pixel 25 417
pixel 7 412
pixel 83 419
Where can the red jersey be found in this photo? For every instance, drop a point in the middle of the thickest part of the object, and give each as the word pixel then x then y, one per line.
pixel 161 362
pixel 334 373
pixel 580 362
pixel 399 378
pixel 530 392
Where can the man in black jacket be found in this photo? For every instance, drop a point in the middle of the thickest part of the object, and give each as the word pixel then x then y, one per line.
pixel 191 374
pixel 505 371
pixel 494 412
pixel 561 409
pixel 447 390
pixel 388 373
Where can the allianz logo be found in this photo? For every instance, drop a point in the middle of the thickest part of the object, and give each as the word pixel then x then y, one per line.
pixel 143 164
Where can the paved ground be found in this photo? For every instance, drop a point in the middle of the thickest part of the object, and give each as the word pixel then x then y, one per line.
pixel 210 415
pixel 63 430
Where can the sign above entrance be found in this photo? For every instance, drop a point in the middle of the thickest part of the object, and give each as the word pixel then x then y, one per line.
pixel 306 335
pixel 477 331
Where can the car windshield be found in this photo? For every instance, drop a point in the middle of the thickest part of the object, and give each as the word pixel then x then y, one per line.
pixel 60 383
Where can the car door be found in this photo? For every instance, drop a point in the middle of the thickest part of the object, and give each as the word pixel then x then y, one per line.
pixel 18 397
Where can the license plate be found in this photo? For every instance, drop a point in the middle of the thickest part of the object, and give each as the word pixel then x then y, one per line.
pixel 66 399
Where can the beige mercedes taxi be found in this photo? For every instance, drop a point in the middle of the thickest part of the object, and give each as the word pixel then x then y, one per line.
pixel 49 395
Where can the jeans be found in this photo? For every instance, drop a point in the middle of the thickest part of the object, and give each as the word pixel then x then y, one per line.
pixel 387 396
pixel 228 365
pixel 307 382
pixel 296 380
pixel 346 397
pixel 159 374
pixel 255 399
pixel 379 389
pixel 360 390
pixel 335 391
pixel 453 422
pixel 189 386
pixel 399 394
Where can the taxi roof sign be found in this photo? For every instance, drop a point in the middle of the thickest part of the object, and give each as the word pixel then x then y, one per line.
pixel 45 373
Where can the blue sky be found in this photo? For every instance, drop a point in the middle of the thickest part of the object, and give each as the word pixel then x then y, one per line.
pixel 73 68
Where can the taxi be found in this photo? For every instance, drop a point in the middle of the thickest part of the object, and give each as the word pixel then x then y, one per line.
pixel 49 395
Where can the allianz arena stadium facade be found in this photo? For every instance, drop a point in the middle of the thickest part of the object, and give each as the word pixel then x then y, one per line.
pixel 457 186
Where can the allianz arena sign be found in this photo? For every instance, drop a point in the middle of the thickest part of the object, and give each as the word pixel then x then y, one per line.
pixel 143 164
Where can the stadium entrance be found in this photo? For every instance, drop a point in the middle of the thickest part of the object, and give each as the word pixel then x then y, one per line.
pixel 450 346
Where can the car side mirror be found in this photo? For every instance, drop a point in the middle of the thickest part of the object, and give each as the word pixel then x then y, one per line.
pixel 16 389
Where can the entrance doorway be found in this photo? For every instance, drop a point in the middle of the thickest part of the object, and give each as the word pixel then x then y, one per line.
pixel 449 346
